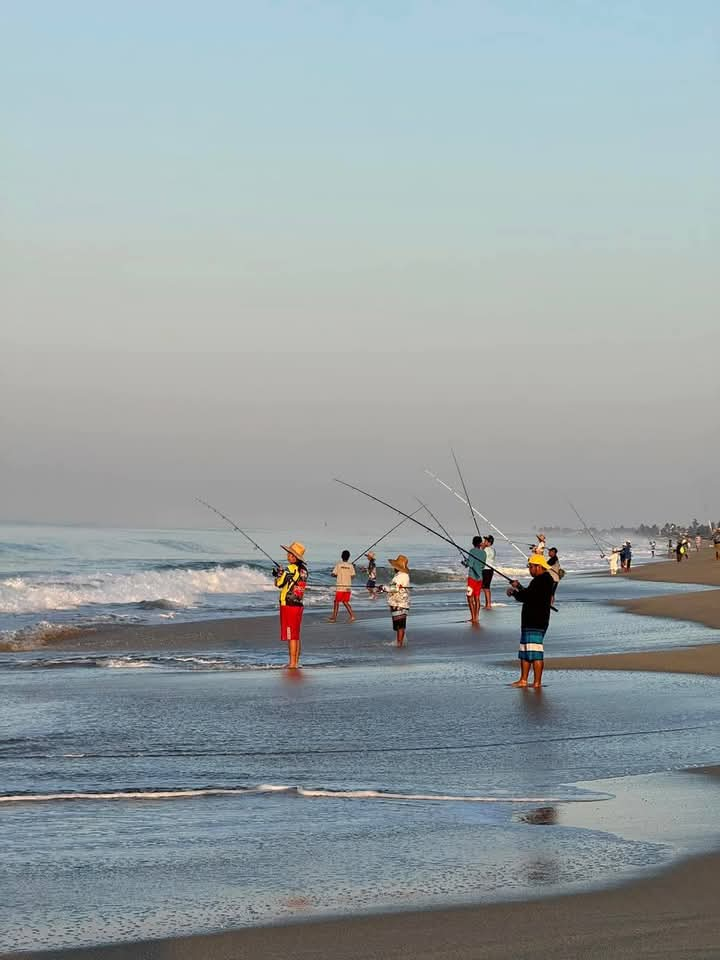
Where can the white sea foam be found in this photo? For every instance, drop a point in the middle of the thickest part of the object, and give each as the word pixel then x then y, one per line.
pixel 181 793
pixel 183 588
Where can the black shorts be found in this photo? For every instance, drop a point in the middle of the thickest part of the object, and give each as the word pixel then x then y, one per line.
pixel 487 576
pixel 399 619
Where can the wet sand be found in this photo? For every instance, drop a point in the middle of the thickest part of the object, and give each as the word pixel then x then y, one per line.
pixel 703 660
pixel 667 917
pixel 699 607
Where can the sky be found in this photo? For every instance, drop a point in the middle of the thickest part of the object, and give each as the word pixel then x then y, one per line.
pixel 247 248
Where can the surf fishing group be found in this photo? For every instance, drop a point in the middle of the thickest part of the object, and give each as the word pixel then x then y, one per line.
pixel 536 598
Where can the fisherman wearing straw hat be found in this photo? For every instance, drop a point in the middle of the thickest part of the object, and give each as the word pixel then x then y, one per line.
pixel 398 591
pixel 536 599
pixel 291 581
pixel 371 575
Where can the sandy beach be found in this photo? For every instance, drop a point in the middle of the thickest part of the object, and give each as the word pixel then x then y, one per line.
pixel 667 917
pixel 698 607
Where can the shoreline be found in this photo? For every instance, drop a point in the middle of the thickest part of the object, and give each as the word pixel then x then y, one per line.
pixel 664 916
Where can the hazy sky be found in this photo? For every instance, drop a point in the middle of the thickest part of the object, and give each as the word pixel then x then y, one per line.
pixel 247 247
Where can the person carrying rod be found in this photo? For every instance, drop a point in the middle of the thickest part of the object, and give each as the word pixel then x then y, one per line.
pixel 291 581
pixel 476 565
pixel 536 599
pixel 398 595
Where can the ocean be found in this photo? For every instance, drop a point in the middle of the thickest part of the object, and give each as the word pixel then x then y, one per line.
pixel 191 786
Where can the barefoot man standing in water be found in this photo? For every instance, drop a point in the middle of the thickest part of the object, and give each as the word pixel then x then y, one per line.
pixel 536 599
pixel 291 581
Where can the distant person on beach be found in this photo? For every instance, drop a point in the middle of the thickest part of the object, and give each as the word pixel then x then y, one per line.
pixel 652 548
pixel 487 574
pixel 716 542
pixel 343 573
pixel 626 556
pixel 371 584
pixel 291 581
pixel 698 542
pixel 554 569
pixel 476 564
pixel 670 548
pixel 536 599
pixel 679 550
pixel 614 561
pixel 398 591
pixel 539 547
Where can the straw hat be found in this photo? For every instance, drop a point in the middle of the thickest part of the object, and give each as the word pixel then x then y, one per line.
pixel 400 563
pixel 539 560
pixel 296 548
pixel 370 555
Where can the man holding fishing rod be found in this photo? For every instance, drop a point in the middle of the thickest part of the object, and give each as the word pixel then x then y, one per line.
pixel 291 581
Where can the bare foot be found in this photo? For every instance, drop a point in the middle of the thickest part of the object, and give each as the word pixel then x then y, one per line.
pixel 519 683
pixel 331 620
pixel 537 686
pixel 353 619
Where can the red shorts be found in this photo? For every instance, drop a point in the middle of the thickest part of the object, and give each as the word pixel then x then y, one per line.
pixel 474 587
pixel 290 620
pixel 342 596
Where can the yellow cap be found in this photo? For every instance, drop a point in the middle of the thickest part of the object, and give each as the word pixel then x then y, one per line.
pixel 538 560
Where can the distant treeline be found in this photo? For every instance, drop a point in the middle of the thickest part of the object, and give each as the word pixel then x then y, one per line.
pixel 650 530
pixel 693 528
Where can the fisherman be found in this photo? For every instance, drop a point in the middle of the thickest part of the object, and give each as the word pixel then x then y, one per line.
pixel 652 548
pixel 291 581
pixel 371 584
pixel 614 560
pixel 343 573
pixel 536 599
pixel 398 591
pixel 488 572
pixel 698 542
pixel 539 547
pixel 716 542
pixel 554 569
pixel 476 564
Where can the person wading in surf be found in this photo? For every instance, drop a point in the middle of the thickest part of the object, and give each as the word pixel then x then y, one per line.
pixel 291 581
pixel 398 591
pixel 476 564
pixel 536 599
pixel 343 573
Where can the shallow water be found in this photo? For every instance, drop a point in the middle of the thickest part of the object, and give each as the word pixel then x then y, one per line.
pixel 247 796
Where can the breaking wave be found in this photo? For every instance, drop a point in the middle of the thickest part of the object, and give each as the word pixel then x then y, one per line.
pixel 185 793
pixel 171 588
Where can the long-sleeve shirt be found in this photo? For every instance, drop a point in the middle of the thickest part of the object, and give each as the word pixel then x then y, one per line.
pixel 398 591
pixel 536 599
pixel 292 582
pixel 476 563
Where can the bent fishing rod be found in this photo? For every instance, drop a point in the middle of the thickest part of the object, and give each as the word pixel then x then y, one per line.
pixel 380 539
pixel 465 490
pixel 409 516
pixel 588 530
pixel 489 523
pixel 236 527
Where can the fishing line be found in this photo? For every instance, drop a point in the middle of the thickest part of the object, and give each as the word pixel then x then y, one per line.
pixel 236 527
pixel 380 539
pixel 447 486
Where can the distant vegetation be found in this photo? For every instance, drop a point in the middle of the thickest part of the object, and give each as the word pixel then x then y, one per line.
pixel 668 530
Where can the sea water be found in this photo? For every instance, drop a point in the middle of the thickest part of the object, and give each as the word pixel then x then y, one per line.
pixel 158 792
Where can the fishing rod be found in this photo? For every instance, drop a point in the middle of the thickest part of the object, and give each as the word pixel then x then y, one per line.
pixel 588 530
pixel 391 530
pixel 236 527
pixel 456 494
pixel 465 490
pixel 411 517
pixel 435 519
